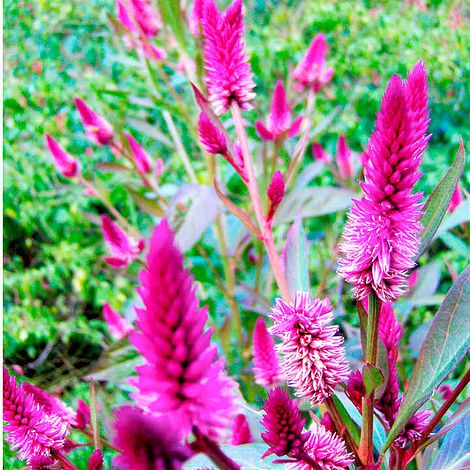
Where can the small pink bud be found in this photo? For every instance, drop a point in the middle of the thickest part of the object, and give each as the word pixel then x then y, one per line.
pixel 96 460
pixel 344 158
pixel 159 165
pixel 212 138
pixel 116 324
pixel 445 391
pixel 457 199
pixel 141 157
pixel 63 161
pixel 320 154
pixel 96 127
pixel 241 433
pixel 17 369
pixel 276 191
pixel 147 17
pixel 83 415
pixel 327 422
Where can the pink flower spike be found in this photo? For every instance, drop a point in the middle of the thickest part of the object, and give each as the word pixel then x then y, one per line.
pixel 211 138
pixel 312 71
pixel 267 368
pixel 147 442
pixel 147 17
pixel 195 17
pixel 116 324
pixel 142 159
pixel 312 357
pixel 181 376
pixel 95 461
pixel 63 161
pixel 123 248
pixel 241 433
pixel 381 237
pixel 228 74
pixel 124 17
pixel 456 200
pixel 276 192
pixel 96 127
pixel 320 154
pixel 344 158
pixel 83 415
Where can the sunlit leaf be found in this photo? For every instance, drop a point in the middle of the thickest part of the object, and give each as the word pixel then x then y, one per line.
pixel 296 259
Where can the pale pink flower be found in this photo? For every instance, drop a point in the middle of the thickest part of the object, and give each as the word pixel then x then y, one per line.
pixel 95 462
pixel 456 200
pixel 381 237
pixel 96 127
pixel 312 71
pixel 267 368
pixel 279 121
pixel 320 154
pixel 241 433
pixel 344 158
pixel 228 74
pixel 312 357
pixel 276 191
pixel 118 327
pixel 142 160
pixel 181 376
pixel 63 161
pixel 123 248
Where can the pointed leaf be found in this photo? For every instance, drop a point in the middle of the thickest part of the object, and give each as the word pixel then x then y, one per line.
pixel 150 206
pixel 296 259
pixel 444 346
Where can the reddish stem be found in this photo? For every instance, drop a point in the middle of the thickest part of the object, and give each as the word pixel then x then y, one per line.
pixel 213 451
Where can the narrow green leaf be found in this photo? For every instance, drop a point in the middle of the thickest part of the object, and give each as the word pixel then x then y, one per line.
pixel 150 206
pixel 296 259
pixel 350 424
pixel 438 201
pixel 172 15
pixel 444 346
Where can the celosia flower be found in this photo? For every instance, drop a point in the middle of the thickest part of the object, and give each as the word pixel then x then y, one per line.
pixel 323 449
pixel 267 368
pixel 195 17
pixel 312 357
pixel 279 120
pixel 413 429
pixel 284 425
pixel 147 442
pixel 381 238
pixel 63 161
pixel 96 127
pixel 228 74
pixel 355 389
pixel 42 462
pixel 241 433
pixel 124 249
pixel 312 71
pixel 95 462
pixel 344 158
pixel 147 17
pixel 83 415
pixel 211 138
pixel 327 422
pixel 320 154
pixel 32 431
pixel 182 375
pixel 116 324
pixel 456 200
pixel 276 191
pixel 142 159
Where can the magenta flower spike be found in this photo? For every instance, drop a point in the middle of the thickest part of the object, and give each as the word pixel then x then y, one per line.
pixel 83 415
pixel 456 200
pixel 344 158
pixel 312 71
pixel 117 325
pixel 142 160
pixel 312 357
pixel 381 238
pixel 63 161
pixel 95 462
pixel 147 442
pixel 147 17
pixel 279 121
pixel 182 376
pixel 228 75
pixel 123 248
pixel 195 17
pixel 276 192
pixel 267 368
pixel 241 433
pixel 96 127
pixel 284 425
pixel 211 138
pixel 31 430
pixel 42 462
pixel 124 17
pixel 320 154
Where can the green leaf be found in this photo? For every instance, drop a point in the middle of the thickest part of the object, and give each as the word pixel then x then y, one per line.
pixel 350 424
pixel 296 259
pixel 150 206
pixel 438 201
pixel 173 16
pixel 444 346
pixel 373 378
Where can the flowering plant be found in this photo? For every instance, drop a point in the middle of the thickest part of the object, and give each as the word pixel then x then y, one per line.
pixel 190 396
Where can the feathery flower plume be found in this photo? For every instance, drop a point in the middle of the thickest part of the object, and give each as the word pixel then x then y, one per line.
pixel 312 357
pixel 320 154
pixel 381 237
pixel 211 138
pixel 344 158
pixel 32 431
pixel 63 161
pixel 95 462
pixel 456 200
pixel 195 17
pixel 414 428
pixel 116 324
pixel 284 425
pixel 182 375
pixel 124 249
pixel 96 127
pixel 146 16
pixel 228 75
pixel 276 191
pixel 279 120
pixel 241 433
pixel 267 368
pixel 147 442
pixel 142 159
pixel 312 71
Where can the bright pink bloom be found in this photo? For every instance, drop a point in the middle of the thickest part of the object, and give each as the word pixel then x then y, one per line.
pixel 195 17
pixel 325 450
pixel 124 249
pixel 312 356
pixel 381 238
pixel 142 160
pixel 147 442
pixel 63 161
pixel 212 139
pixel 182 376
pixel 344 158
pixel 241 433
pixel 284 425
pixel 276 191
pixel 139 16
pixel 456 200
pixel 414 428
pixel 356 389
pixel 83 415
pixel 124 17
pixel 312 71
pixel 445 391
pixel 32 431
pixel 327 422
pixel 95 462
pixel 229 78
pixel 116 324
pixel 320 154
pixel 279 121
pixel 267 368
pixel 42 462
pixel 96 127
